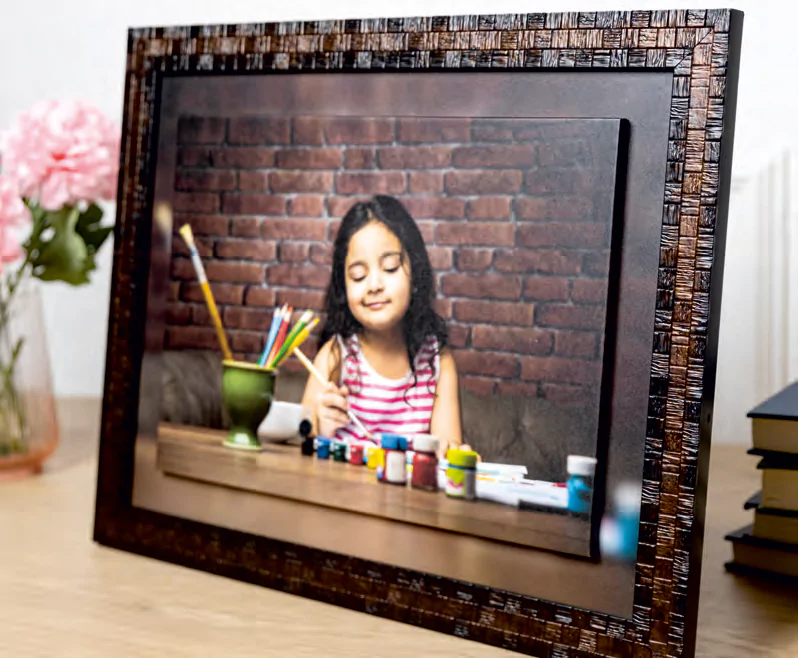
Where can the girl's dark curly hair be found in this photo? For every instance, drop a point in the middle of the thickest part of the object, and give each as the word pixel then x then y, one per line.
pixel 420 321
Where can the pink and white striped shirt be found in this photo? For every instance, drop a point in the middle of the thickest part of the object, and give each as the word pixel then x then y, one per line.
pixel 398 406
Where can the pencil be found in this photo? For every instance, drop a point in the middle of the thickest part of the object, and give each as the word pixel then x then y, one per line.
pixel 312 370
pixel 298 327
pixel 276 319
pixel 188 236
pixel 281 333
pixel 300 338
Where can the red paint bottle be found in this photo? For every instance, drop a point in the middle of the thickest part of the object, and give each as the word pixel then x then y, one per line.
pixel 356 453
pixel 425 463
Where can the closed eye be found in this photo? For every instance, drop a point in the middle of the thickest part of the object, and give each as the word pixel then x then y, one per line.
pixel 357 272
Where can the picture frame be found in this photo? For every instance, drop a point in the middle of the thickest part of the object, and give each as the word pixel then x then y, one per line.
pixel 691 59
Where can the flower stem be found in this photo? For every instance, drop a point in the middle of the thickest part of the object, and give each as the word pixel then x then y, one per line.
pixel 13 422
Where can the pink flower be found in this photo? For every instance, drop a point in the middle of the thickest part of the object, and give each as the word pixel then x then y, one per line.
pixel 62 153
pixel 9 246
pixel 13 213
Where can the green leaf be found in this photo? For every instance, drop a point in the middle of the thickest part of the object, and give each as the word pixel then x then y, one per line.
pixel 88 227
pixel 63 256
pixel 63 243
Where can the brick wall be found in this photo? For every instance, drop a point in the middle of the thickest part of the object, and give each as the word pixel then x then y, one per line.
pixel 515 214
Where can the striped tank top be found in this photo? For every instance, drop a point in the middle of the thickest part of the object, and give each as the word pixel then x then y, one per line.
pixel 399 406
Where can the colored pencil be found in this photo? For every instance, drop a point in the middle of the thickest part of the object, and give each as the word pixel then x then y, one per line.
pixel 188 237
pixel 312 370
pixel 276 319
pixel 281 334
pixel 299 326
pixel 300 338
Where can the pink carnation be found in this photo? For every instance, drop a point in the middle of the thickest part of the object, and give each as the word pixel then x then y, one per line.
pixel 61 153
pixel 13 210
pixel 13 213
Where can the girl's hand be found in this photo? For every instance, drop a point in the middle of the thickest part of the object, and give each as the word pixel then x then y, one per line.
pixel 332 409
pixel 445 446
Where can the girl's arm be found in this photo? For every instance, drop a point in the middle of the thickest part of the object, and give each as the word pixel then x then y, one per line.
pixel 326 404
pixel 446 423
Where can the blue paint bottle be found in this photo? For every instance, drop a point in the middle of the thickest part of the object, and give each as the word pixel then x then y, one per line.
pixel 627 498
pixel 581 475
pixel 323 447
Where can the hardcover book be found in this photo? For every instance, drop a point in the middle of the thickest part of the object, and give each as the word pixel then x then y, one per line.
pixel 773 523
pixel 773 425
pixel 779 483
pixel 755 555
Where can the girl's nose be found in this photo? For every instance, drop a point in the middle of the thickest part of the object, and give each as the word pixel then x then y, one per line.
pixel 375 280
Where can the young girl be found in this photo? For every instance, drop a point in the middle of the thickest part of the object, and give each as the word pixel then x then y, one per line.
pixel 383 346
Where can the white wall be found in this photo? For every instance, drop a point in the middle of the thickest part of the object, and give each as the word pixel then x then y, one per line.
pixel 54 49
pixel 774 195
pixel 736 388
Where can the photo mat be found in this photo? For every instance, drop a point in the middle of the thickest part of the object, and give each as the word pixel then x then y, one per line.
pixel 553 542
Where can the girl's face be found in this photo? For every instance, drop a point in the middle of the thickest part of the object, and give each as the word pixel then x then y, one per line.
pixel 378 280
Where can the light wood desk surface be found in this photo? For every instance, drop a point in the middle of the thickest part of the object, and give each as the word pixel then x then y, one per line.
pixel 63 595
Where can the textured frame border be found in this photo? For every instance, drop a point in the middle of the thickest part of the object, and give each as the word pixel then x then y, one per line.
pixel 701 48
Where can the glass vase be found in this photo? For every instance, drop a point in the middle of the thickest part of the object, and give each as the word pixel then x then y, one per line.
pixel 28 417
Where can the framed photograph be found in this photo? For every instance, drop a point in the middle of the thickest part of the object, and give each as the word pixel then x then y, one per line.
pixel 419 316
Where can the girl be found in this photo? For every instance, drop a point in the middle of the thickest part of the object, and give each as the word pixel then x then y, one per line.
pixel 383 347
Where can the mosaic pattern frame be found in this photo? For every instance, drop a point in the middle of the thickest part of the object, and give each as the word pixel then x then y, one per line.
pixel 701 47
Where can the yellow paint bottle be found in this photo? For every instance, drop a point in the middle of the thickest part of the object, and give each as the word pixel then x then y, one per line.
pixel 376 458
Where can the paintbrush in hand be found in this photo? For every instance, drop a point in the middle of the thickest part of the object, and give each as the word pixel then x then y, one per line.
pixel 312 370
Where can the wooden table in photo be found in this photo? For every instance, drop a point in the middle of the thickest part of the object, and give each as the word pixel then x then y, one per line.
pixel 281 470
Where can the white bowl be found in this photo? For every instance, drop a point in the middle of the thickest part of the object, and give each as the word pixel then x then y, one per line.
pixel 282 421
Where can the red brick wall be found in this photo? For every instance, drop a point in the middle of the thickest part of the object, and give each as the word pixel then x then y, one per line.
pixel 515 214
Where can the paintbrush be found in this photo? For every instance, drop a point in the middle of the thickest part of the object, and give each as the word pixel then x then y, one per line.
pixel 312 370
pixel 188 237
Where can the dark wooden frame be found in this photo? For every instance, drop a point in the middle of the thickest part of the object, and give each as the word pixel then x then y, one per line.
pixel 701 48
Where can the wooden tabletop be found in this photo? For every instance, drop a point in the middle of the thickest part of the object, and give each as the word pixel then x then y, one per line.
pixel 281 470
pixel 63 595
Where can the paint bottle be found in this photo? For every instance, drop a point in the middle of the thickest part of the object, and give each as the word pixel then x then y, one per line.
pixel 461 474
pixel 409 462
pixel 356 453
pixel 305 430
pixel 372 456
pixel 323 447
pixel 394 447
pixel 424 474
pixel 627 498
pixel 442 466
pixel 581 472
pixel 339 451
pixel 377 459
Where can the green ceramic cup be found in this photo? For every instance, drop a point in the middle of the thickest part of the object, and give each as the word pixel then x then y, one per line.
pixel 247 393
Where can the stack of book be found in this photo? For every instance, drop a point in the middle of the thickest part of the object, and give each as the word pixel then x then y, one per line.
pixel 769 546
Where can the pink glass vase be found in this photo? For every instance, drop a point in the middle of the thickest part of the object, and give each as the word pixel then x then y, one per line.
pixel 28 419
